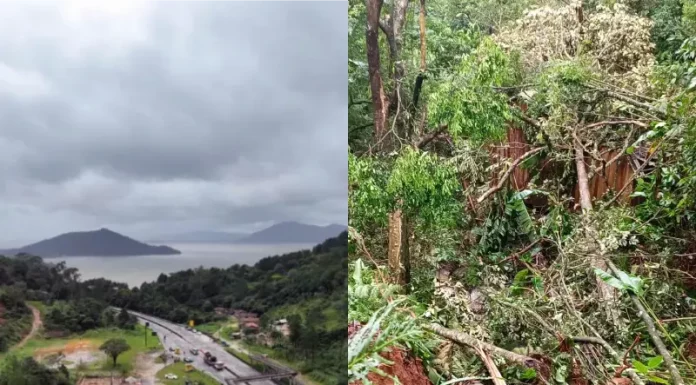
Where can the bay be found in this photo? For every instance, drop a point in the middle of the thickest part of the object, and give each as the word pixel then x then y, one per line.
pixel 146 268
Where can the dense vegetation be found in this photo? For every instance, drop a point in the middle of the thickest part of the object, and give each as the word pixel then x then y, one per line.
pixel 523 190
pixel 15 317
pixel 26 371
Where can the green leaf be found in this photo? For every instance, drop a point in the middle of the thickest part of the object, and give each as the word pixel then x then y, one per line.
pixel 521 277
pixel 528 374
pixel 640 367
pixel 655 362
pixel 609 279
pixel 630 150
pixel 631 283
pixel 658 380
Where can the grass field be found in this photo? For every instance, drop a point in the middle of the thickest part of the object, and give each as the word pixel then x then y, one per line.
pixel 178 370
pixel 210 327
pixel 92 340
pixel 224 327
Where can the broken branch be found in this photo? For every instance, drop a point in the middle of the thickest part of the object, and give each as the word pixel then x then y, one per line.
pixel 431 136
pixel 465 339
pixel 509 171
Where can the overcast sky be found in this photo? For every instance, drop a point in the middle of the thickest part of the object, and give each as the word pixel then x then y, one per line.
pixel 150 118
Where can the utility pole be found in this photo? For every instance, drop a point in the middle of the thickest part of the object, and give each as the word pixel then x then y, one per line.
pixel 147 326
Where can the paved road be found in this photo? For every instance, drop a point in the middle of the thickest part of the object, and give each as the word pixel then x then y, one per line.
pixel 189 340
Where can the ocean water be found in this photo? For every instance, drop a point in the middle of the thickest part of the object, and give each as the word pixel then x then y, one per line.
pixel 136 270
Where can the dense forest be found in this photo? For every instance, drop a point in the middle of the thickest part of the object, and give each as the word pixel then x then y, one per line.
pixel 522 191
pixel 312 280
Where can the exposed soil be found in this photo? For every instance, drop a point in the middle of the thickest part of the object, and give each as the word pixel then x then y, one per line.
pixel 147 367
pixel 690 348
pixel 35 327
pixel 85 357
pixel 407 368
pixel 71 354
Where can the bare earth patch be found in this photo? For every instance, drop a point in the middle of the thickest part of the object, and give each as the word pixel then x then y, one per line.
pixel 147 368
pixel 72 354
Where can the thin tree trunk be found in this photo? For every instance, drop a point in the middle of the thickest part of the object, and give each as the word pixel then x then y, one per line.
pixel 583 181
pixel 394 31
pixel 597 258
pixel 421 20
pixel 406 231
pixel 379 98
pixel 394 256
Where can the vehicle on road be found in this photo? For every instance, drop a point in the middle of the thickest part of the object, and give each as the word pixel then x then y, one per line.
pixel 171 376
pixel 194 352
pixel 224 343
pixel 171 348
pixel 209 359
pixel 219 366
pixel 188 359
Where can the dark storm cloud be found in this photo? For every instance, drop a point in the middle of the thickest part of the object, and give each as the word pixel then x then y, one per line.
pixel 172 115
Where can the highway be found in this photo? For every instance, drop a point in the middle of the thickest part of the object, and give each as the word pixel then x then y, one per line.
pixel 187 340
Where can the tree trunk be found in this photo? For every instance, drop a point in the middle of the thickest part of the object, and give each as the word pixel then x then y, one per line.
pixel 589 246
pixel 398 20
pixel 421 22
pixel 397 253
pixel 379 98
pixel 583 181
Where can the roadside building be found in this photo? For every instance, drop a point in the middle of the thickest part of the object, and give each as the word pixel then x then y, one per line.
pixel 220 311
pixel 250 327
pixel 282 326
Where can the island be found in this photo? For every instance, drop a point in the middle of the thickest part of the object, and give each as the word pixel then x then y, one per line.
pixel 293 232
pixel 98 243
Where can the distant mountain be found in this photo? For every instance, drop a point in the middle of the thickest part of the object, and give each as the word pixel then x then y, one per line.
pixel 201 237
pixel 293 232
pixel 99 243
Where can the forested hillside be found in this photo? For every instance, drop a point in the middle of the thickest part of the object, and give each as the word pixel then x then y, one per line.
pixel 522 181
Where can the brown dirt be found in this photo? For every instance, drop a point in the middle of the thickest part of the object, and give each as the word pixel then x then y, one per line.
pixel 146 367
pixel 35 326
pixel 690 348
pixel 405 367
pixel 69 348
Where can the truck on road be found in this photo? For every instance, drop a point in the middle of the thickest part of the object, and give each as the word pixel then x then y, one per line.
pixel 211 360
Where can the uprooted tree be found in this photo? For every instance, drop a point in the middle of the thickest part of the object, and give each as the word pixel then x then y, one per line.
pixel 525 175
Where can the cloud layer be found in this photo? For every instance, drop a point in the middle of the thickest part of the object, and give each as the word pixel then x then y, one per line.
pixel 157 117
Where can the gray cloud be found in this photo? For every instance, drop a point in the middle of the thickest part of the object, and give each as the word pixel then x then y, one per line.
pixel 151 117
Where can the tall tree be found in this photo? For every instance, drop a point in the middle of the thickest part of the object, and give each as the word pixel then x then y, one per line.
pixel 114 347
